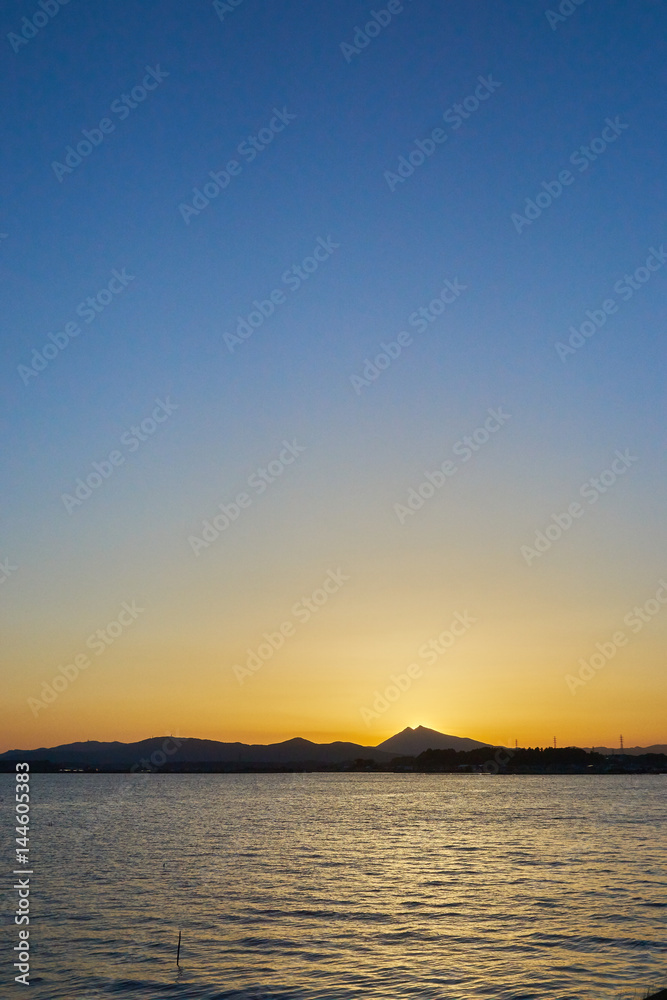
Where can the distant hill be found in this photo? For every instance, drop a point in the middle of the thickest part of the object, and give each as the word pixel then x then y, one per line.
pixel 412 742
pixel 656 748
pixel 120 756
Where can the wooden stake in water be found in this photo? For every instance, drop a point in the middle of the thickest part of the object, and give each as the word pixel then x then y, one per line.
pixel 178 952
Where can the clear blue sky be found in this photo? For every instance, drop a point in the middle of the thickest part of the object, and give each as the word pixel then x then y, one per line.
pixel 219 77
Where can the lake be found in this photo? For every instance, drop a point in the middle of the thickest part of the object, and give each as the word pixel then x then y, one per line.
pixel 339 886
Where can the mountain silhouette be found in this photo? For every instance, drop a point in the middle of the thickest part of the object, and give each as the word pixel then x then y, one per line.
pixel 411 742
pixel 296 752
pixel 179 750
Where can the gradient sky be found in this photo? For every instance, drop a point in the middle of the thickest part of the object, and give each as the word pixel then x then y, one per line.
pixel 67 572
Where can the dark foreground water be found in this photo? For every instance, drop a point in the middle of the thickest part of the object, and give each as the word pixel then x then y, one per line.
pixel 342 886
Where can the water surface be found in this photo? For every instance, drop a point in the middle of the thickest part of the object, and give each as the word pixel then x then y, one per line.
pixel 339 886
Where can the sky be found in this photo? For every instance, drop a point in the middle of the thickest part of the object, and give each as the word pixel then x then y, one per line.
pixel 332 371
